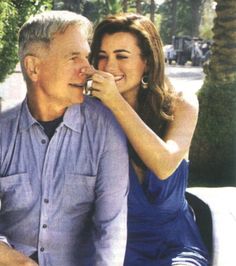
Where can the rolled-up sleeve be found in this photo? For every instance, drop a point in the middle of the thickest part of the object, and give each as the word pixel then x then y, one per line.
pixel 111 200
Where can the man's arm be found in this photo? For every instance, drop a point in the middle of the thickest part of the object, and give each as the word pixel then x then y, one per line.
pixel 111 200
pixel 12 257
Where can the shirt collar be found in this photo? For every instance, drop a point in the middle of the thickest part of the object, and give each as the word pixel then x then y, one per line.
pixel 73 118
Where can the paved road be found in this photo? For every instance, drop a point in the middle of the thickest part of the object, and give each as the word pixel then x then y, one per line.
pixel 185 77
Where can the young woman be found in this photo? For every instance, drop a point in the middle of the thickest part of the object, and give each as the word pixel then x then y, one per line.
pixel 159 123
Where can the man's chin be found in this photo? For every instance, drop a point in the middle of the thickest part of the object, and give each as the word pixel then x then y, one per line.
pixel 78 99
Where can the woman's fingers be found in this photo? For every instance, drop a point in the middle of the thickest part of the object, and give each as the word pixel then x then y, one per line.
pixel 91 72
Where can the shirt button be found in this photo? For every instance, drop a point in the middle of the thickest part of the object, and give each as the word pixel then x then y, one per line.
pixel 43 141
pixel 42 249
pixel 45 226
pixel 46 201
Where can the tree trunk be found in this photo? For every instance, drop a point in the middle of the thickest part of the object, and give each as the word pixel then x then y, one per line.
pixel 174 17
pixel 213 150
pixel 138 6
pixel 152 10
pixel 125 5
pixel 196 16
pixel 73 5
pixel 222 65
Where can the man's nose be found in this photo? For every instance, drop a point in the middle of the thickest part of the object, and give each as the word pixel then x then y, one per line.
pixel 85 62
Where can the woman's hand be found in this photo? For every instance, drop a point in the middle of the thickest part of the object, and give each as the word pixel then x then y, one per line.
pixel 103 86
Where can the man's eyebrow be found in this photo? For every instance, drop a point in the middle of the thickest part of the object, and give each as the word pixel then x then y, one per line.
pixel 117 51
pixel 72 54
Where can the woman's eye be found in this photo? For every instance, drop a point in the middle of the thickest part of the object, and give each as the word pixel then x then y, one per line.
pixel 100 57
pixel 121 57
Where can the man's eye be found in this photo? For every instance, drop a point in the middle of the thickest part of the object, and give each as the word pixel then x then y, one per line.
pixel 73 58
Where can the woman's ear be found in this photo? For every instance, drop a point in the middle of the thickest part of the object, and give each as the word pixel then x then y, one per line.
pixel 31 64
pixel 146 69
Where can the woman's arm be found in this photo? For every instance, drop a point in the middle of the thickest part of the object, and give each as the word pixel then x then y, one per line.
pixel 161 156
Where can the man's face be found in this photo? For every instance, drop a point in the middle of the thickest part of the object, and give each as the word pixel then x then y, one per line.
pixel 60 79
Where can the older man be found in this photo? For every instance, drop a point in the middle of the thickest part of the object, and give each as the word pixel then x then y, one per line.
pixel 63 157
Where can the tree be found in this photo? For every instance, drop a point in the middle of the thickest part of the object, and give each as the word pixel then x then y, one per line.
pixel 8 53
pixel 174 18
pixel 13 13
pixel 138 6
pixel 152 10
pixel 125 5
pixel 195 6
pixel 113 6
pixel 94 10
pixel 213 150
pixel 73 5
pixel 207 20
pixel 180 18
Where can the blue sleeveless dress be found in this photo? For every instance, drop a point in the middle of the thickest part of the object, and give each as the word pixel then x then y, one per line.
pixel 161 227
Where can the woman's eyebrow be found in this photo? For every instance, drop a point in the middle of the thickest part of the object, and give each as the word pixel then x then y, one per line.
pixel 122 50
pixel 116 51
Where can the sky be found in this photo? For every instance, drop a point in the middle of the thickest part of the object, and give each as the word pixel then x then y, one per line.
pixel 159 2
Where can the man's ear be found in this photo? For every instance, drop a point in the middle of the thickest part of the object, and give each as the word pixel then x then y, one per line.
pixel 31 64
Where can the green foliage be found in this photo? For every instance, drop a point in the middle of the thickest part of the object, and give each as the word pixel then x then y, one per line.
pixel 107 7
pixel 13 13
pixel 94 10
pixel 8 38
pixel 183 19
pixel 213 150
pixel 113 6
pixel 206 24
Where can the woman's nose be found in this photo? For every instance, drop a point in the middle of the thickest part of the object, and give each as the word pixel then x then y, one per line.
pixel 110 65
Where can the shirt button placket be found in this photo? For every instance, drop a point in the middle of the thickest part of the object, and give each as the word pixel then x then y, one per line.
pixel 46 201
pixel 43 141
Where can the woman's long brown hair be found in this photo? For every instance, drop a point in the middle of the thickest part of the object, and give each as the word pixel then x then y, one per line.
pixel 154 104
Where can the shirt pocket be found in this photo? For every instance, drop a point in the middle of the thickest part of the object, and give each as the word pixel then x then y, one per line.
pixel 79 192
pixel 15 192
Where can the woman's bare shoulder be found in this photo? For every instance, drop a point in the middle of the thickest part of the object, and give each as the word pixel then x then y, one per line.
pixel 187 102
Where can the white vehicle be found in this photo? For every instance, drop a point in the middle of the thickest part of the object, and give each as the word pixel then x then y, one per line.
pixel 170 54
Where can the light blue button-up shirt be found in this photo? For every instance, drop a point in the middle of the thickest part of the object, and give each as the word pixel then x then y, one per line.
pixel 67 197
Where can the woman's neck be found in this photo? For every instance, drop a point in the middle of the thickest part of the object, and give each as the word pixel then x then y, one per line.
pixel 131 98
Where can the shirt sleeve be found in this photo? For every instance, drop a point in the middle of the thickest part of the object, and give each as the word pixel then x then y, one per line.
pixel 111 199
pixel 4 240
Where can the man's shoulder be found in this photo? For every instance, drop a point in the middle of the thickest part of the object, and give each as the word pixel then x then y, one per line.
pixel 10 114
pixel 96 108
pixel 98 115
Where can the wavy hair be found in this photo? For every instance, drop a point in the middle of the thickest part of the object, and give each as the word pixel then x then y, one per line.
pixel 155 104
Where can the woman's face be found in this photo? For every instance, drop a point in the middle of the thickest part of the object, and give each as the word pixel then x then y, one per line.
pixel 120 55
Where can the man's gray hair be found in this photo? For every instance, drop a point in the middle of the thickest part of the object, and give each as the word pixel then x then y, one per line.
pixel 42 27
